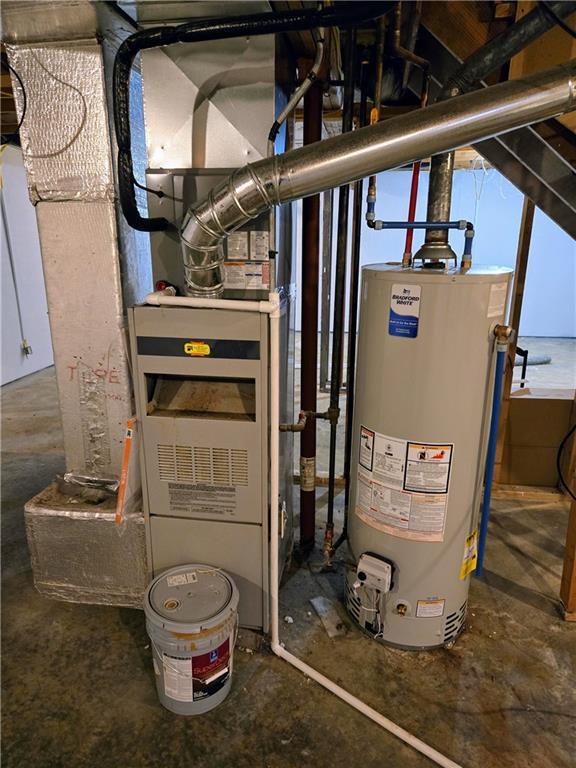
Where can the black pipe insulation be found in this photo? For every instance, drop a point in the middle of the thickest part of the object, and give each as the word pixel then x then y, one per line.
pixel 339 294
pixel 341 14
pixel 500 49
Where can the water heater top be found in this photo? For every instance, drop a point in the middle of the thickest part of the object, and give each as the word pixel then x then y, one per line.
pixel 477 274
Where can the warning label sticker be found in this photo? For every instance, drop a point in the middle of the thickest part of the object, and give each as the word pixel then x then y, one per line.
pixel 428 467
pixel 404 311
pixel 430 609
pixel 177 677
pixel 402 485
pixel 366 448
pixel 470 557
pixel 202 499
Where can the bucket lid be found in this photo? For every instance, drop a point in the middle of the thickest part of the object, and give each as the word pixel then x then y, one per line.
pixel 190 596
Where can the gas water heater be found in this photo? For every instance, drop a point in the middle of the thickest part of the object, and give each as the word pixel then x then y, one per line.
pixel 424 380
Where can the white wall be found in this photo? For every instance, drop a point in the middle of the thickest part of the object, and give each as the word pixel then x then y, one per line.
pixel 495 206
pixel 23 279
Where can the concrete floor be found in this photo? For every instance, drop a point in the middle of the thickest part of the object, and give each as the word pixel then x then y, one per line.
pixel 78 686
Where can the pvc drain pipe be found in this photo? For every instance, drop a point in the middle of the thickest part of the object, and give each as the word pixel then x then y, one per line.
pixel 274 308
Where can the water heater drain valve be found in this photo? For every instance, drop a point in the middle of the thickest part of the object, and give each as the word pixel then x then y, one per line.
pixel 374 573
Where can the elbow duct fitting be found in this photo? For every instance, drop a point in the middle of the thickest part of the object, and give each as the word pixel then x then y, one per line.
pixel 342 159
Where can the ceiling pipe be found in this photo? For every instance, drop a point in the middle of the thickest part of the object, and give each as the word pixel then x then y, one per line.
pixel 306 171
pixel 489 58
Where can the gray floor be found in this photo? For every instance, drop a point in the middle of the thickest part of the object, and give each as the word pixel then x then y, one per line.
pixel 559 373
pixel 78 687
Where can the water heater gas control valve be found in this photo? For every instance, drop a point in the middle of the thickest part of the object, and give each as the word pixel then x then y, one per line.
pixel 374 572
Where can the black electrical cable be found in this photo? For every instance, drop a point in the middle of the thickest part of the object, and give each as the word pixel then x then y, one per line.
pixel 561 23
pixel 341 14
pixel 559 461
pixel 157 192
pixel 24 97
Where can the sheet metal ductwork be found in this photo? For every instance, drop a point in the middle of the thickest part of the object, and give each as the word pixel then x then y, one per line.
pixel 309 170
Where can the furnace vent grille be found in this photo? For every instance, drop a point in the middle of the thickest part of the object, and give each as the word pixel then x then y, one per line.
pixel 201 465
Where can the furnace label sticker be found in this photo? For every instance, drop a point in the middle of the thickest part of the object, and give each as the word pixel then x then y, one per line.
pixel 212 500
pixel 237 244
pixel 260 245
pixel 366 448
pixel 428 467
pixel 404 311
pixel 497 300
pixel 402 486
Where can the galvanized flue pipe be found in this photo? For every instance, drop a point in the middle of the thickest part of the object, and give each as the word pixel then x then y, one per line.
pixel 302 172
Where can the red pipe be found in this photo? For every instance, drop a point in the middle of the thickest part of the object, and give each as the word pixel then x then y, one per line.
pixel 412 211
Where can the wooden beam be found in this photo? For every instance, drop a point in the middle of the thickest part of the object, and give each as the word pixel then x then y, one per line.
pixel 553 47
pixel 568 583
pixel 521 267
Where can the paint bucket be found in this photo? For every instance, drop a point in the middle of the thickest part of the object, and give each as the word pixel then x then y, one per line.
pixel 192 620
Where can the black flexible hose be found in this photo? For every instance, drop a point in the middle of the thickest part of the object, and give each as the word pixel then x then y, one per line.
pixel 559 461
pixel 341 14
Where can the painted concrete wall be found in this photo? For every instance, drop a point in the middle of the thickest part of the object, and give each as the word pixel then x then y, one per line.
pixel 495 206
pixel 24 279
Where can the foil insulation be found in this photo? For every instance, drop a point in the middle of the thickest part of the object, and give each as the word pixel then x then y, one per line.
pixel 78 553
pixel 82 273
pixel 64 136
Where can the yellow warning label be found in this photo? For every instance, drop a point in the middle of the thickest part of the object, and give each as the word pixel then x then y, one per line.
pixel 197 348
pixel 470 555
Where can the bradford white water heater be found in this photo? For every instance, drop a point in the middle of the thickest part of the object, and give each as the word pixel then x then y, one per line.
pixel 424 383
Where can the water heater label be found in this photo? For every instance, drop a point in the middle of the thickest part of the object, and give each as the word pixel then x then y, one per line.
pixel 404 311
pixel 403 485
pixel 497 299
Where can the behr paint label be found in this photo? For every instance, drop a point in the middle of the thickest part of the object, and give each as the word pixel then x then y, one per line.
pixel 404 311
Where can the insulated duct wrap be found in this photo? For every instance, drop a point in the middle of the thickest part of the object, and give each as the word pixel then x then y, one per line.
pixel 80 555
pixel 82 273
pixel 65 139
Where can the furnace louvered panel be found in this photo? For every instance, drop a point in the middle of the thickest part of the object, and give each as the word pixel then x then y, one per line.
pixel 202 465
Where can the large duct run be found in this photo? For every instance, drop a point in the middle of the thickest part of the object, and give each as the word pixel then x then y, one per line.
pixel 251 190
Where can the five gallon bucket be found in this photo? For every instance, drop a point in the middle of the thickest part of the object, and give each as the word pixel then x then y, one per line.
pixel 192 619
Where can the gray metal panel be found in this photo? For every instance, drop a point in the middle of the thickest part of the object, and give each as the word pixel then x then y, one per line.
pixel 223 541
pixel 219 107
pixel 235 548
pixel 200 450
pixel 430 389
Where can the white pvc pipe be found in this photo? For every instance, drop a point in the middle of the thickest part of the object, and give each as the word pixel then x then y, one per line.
pixel 273 308
pixel 168 299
